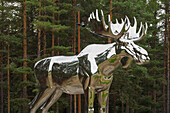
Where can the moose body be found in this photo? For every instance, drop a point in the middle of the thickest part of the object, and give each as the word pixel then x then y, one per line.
pixel 90 71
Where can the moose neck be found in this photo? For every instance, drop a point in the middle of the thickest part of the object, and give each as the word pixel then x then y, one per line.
pixel 108 66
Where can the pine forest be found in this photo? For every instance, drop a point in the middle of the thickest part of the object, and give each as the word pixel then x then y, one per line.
pixel 34 29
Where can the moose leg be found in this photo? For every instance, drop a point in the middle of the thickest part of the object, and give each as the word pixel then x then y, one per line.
pixel 91 94
pixel 102 99
pixel 46 94
pixel 53 99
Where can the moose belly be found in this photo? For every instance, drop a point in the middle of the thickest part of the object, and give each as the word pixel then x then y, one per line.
pixel 72 85
pixel 64 71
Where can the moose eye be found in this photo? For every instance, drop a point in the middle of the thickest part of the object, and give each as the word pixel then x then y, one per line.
pixel 124 60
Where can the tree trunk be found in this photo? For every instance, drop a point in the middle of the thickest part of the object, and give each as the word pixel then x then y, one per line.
pixel 39 33
pixel 52 43
pixel 8 79
pixel 79 103
pixel 114 103
pixel 85 101
pixel 53 23
pixel 79 32
pixel 71 99
pixel 58 38
pixel 24 47
pixel 75 104
pixel 2 89
pixel 168 61
pixel 164 75
pixel 79 96
pixel 109 39
pixel 154 97
pixel 1 79
pixel 44 38
pixel 127 108
pixel 73 26
pixel 122 108
pixel 75 21
pixel 57 108
pixel 107 105
pixel 154 74
pixel 135 111
pixel 44 42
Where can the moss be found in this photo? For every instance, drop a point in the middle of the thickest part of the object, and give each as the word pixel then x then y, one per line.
pixel 104 95
pixel 96 76
pixel 112 60
pixel 105 82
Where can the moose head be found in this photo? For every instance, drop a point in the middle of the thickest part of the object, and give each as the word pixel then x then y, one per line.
pixel 123 33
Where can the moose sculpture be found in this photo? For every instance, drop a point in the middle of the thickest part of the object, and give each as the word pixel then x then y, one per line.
pixel 91 70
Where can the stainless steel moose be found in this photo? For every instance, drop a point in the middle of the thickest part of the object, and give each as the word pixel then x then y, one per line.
pixel 92 69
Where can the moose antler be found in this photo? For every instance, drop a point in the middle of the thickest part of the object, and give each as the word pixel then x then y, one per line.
pixel 111 30
pixel 117 30
pixel 133 29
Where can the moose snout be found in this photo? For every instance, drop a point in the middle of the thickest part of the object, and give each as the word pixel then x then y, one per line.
pixel 142 59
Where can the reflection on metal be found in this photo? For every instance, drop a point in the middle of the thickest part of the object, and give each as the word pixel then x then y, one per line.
pixel 92 69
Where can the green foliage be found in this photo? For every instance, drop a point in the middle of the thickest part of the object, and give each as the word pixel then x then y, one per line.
pixel 23 70
pixel 25 60
pixel 62 49
pixel 133 86
pixel 18 103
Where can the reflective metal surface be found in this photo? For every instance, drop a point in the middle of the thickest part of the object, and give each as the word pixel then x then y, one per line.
pixel 91 70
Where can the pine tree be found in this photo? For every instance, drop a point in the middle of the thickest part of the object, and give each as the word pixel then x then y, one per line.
pixel 2 58
pixel 24 46
pixel 39 31
pixel 134 87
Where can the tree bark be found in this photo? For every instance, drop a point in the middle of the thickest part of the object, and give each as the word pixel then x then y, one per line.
pixel 44 38
pixel 127 108
pixel 154 97
pixel 58 38
pixel 2 89
pixel 122 108
pixel 165 57
pixel 44 42
pixel 79 96
pixel 79 103
pixel 75 104
pixel 168 61
pixel 39 33
pixel 24 47
pixel 53 23
pixel 114 103
pixel 109 39
pixel 107 105
pixel 75 21
pixel 71 99
pixel 154 74
pixel 135 111
pixel 8 80
pixel 57 108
